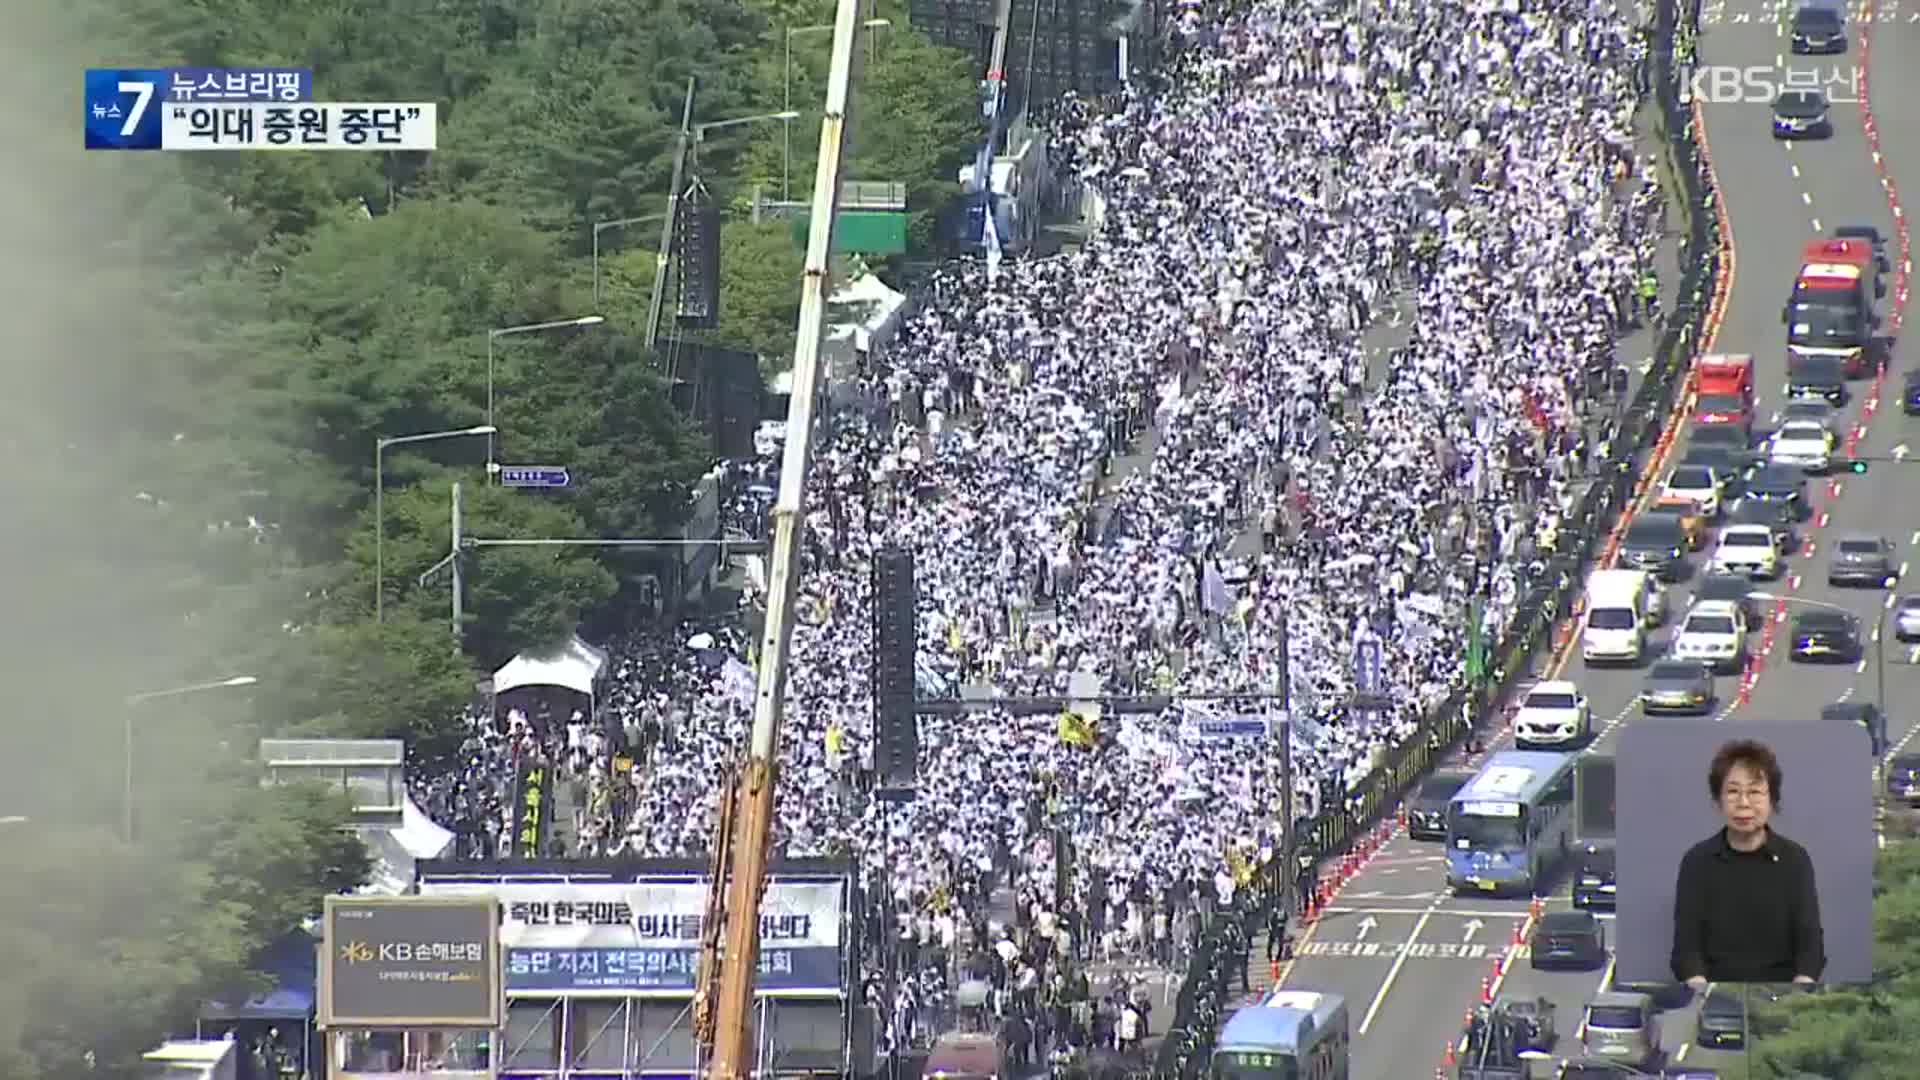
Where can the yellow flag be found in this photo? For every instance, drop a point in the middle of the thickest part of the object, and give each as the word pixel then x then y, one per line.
pixel 1074 730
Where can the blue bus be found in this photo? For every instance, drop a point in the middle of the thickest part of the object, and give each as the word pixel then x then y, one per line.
pixel 1290 1035
pixel 1512 823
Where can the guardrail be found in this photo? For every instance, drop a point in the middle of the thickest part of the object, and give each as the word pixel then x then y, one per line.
pixel 1185 1050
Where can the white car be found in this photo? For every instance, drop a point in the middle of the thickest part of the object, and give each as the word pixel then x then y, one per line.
pixel 1700 483
pixel 1802 444
pixel 1746 549
pixel 1553 714
pixel 1713 633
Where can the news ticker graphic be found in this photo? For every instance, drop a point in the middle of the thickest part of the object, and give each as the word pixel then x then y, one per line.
pixel 318 125
pixel 241 109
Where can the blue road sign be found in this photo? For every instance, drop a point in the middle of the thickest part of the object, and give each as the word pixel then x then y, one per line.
pixel 534 476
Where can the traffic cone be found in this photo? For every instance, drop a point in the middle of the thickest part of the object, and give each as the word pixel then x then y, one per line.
pixel 1486 990
pixel 1275 971
pixel 1448 1056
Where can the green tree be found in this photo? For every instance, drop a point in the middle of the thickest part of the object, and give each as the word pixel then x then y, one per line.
pixel 516 597
pixel 760 269
pixel 1861 1033
pixel 400 679
pixel 916 116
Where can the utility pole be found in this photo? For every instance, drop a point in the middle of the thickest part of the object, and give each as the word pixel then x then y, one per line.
pixel 459 579
pixel 655 306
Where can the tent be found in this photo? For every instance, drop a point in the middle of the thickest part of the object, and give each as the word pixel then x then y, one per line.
pixel 291 966
pixel 575 666
pixel 871 307
pixel 397 849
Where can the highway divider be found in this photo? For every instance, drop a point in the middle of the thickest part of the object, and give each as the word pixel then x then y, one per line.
pixel 1332 846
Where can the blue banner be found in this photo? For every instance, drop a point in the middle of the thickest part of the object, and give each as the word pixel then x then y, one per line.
pixel 782 970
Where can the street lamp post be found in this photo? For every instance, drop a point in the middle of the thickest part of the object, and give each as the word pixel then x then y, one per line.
pixel 691 134
pixel 380 492
pixel 786 99
pixel 602 226
pixel 509 331
pixel 1879 642
pixel 133 701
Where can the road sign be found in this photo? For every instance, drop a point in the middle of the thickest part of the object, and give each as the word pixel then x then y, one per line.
pixel 534 476
pixel 410 961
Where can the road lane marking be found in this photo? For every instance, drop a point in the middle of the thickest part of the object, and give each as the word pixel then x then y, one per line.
pixel 1393 972
pixel 1464 913
pixel 1401 950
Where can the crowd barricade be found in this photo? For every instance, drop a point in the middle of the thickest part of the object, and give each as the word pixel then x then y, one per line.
pixel 1347 823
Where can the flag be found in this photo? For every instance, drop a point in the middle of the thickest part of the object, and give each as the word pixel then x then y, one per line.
pixel 990 232
pixel 1076 730
pixel 1213 590
pixel 1476 647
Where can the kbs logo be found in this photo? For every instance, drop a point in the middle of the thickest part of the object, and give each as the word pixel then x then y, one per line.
pixel 1761 84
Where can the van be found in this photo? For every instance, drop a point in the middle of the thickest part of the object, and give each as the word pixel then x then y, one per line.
pixel 1622 1027
pixel 1622 605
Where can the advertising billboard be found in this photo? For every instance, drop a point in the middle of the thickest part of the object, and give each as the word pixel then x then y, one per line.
pixel 644 937
pixel 410 961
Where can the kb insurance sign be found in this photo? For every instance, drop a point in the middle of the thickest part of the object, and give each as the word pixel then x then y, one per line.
pixel 410 961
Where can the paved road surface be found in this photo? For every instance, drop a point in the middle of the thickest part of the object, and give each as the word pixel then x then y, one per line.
pixel 1411 960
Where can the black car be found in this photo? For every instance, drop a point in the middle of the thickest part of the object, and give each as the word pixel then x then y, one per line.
pixel 1724 462
pixel 1801 114
pixel 1819 376
pixel 1735 589
pixel 1677 686
pixel 1723 1019
pixel 1903 779
pixel 1781 484
pixel 1568 938
pixel 1427 809
pixel 1864 713
pixel 1782 516
pixel 1593 882
pixel 1859 559
pixel 1655 542
pixel 1818 29
pixel 1910 394
pixel 1831 636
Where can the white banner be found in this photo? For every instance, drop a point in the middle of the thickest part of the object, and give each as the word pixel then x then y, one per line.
pixel 306 125
pixel 648 915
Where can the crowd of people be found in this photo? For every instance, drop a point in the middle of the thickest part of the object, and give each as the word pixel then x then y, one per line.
pixel 1170 461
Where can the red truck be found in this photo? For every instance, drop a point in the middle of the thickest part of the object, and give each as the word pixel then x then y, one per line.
pixel 1831 312
pixel 1723 390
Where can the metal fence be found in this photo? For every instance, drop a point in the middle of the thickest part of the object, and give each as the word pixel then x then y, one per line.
pixel 1203 998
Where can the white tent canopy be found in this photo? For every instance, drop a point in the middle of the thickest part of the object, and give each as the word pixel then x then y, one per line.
pixel 575 666
pixel 420 835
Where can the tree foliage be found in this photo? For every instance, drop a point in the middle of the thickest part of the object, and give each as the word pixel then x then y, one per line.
pixel 1861 1033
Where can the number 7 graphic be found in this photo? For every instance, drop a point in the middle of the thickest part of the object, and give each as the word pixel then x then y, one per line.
pixel 142 97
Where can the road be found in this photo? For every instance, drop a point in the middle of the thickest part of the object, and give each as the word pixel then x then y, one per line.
pixel 1410 959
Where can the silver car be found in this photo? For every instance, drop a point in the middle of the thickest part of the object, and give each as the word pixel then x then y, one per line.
pixel 1860 559
pixel 1906 618
pixel 1811 412
pixel 1622 1027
